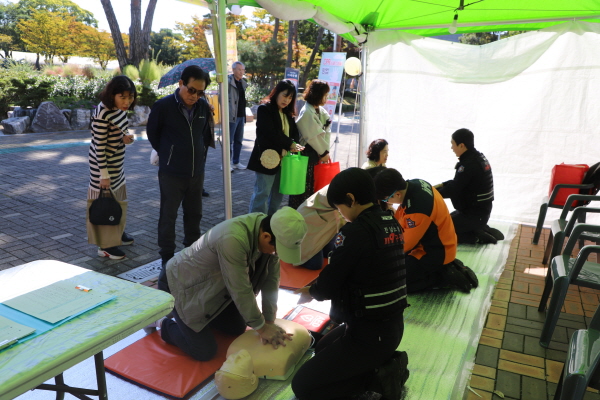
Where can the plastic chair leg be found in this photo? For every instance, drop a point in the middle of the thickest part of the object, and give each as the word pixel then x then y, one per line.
pixel 559 292
pixel 548 250
pixel 559 385
pixel 547 289
pixel 540 223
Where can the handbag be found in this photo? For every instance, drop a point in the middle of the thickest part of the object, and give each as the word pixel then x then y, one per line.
pixel 105 210
pixel 293 174
pixel 324 173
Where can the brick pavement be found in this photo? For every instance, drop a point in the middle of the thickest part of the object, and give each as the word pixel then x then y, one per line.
pixel 43 188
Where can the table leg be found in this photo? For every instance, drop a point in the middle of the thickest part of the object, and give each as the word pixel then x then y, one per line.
pixel 101 376
pixel 59 380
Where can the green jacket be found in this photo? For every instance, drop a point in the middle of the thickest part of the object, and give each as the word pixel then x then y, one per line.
pixel 225 265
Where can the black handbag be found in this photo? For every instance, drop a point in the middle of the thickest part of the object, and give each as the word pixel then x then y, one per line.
pixel 105 210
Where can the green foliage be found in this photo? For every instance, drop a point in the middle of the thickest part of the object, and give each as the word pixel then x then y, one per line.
pixel 131 72
pixel 71 103
pixel 29 92
pixel 149 72
pixel 59 6
pixel 263 60
pixel 167 46
pixel 255 93
pixel 480 38
pixel 10 14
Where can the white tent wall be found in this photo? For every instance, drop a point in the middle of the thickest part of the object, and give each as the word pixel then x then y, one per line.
pixel 532 101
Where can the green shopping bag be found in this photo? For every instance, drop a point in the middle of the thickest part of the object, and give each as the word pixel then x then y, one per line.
pixel 293 174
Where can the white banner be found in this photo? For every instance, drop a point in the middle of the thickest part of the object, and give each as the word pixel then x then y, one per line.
pixel 331 71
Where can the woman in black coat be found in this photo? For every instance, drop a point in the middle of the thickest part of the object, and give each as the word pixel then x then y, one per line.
pixel 276 134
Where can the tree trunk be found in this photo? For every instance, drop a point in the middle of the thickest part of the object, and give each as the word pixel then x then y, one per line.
pixel 147 28
pixel 275 30
pixel 116 33
pixel 308 66
pixel 135 33
pixel 37 62
pixel 288 62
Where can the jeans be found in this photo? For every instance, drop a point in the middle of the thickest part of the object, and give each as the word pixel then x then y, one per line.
pixel 236 135
pixel 266 197
pixel 202 345
pixel 316 262
pixel 176 191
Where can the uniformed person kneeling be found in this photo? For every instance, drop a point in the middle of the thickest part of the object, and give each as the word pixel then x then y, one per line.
pixel 365 281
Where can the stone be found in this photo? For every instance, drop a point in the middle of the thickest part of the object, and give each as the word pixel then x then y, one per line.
pixel 140 116
pixel 80 119
pixel 10 114
pixel 15 125
pixel 67 113
pixel 49 118
pixel 22 112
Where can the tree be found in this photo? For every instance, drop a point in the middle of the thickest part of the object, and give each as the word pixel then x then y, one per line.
pixel 166 46
pixel 51 34
pixel 308 66
pixel 59 6
pixel 10 14
pixel 98 45
pixel 139 37
pixel 263 60
pixel 480 38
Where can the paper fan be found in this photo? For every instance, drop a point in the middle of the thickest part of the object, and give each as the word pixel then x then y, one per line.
pixel 270 159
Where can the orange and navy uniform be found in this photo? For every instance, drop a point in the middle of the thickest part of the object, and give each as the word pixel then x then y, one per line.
pixel 429 234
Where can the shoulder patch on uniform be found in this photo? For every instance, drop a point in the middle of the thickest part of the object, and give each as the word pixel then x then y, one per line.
pixel 461 168
pixel 339 240
pixel 410 223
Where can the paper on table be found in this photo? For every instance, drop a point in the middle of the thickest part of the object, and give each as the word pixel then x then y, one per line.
pixel 10 330
pixel 57 301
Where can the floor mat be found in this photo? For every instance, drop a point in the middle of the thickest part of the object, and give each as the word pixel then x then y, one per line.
pixel 157 365
pixel 297 277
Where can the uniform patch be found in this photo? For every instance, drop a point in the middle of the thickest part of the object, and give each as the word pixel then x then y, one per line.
pixel 410 223
pixel 461 168
pixel 339 240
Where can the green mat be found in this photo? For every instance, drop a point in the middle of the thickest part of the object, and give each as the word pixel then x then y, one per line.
pixel 442 329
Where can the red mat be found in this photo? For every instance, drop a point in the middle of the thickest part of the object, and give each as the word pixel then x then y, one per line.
pixel 159 366
pixel 297 277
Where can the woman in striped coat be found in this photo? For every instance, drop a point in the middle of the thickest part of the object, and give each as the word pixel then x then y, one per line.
pixel 106 157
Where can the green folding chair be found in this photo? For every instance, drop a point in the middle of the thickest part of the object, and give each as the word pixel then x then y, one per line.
pixel 565 271
pixel 581 365
pixel 562 228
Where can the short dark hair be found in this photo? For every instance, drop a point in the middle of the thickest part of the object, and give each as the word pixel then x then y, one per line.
pixel 194 71
pixel 465 136
pixel 315 91
pixel 284 86
pixel 117 85
pixel 352 180
pixel 387 182
pixel 265 226
pixel 375 149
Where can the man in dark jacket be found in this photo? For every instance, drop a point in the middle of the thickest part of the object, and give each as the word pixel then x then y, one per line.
pixel 176 128
pixel 471 192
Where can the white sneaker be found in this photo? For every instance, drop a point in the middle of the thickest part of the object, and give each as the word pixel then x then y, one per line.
pixel 231 168
pixel 149 329
pixel 239 166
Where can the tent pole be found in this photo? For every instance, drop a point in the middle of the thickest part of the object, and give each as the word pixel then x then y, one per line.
pixel 219 38
pixel 362 135
pixel 337 135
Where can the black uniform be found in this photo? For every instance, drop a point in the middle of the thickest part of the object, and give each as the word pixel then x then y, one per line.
pixel 472 193
pixel 365 281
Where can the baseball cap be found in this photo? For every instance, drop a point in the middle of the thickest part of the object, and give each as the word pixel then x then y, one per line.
pixel 289 229
pixel 236 377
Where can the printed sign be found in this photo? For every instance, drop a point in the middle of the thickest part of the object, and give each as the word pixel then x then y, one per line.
pixel 293 75
pixel 331 71
pixel 232 55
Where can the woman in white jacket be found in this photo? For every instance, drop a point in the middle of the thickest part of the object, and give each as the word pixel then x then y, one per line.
pixel 314 125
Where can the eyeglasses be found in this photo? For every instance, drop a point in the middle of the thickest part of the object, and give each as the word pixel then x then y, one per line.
pixel 389 197
pixel 194 91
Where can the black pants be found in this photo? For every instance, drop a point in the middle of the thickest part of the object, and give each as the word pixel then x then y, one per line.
pixel 202 345
pixel 424 273
pixel 345 360
pixel 466 225
pixel 176 191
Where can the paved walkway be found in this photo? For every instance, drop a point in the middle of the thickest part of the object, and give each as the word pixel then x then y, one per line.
pixel 43 188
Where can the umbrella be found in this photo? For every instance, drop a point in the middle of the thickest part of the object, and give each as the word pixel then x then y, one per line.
pixel 173 76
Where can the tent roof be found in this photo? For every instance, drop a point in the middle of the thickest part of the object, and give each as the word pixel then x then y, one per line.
pixel 433 17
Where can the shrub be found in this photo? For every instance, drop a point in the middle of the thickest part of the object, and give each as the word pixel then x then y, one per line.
pixel 255 94
pixel 72 102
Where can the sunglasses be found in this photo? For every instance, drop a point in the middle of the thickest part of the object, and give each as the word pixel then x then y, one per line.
pixel 389 197
pixel 194 91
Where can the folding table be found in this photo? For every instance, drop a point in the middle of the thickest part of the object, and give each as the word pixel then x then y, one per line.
pixel 28 365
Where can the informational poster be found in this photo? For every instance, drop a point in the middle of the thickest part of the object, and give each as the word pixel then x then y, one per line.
pixel 293 75
pixel 331 71
pixel 232 55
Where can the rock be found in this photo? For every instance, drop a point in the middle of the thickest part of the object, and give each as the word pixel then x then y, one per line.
pixel 49 119
pixel 140 116
pixel 66 113
pixel 15 125
pixel 80 119
pixel 22 112
pixel 10 114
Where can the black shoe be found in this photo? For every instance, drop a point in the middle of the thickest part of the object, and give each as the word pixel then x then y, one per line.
pixel 467 272
pixel 485 238
pixel 451 276
pixel 126 239
pixel 205 193
pixel 392 375
pixel 494 232
pixel 114 253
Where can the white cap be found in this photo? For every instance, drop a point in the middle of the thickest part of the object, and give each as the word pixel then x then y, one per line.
pixel 236 377
pixel 289 229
